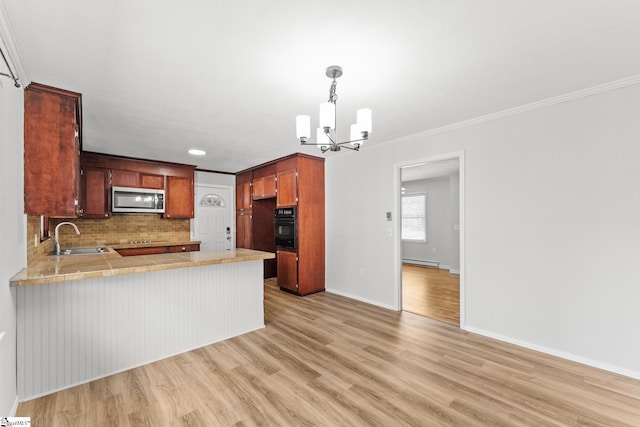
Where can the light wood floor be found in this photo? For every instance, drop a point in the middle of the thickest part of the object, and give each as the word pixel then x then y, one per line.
pixel 431 292
pixel 327 360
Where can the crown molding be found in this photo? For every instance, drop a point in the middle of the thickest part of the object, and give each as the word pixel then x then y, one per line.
pixel 606 87
pixel 11 50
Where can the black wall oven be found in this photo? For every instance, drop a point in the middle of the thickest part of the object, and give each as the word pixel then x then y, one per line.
pixel 286 232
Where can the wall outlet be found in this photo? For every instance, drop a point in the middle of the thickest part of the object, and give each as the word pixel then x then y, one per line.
pixel 433 250
pixel 389 232
pixel 362 271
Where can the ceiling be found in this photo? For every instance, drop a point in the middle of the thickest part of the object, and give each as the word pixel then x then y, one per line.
pixel 159 77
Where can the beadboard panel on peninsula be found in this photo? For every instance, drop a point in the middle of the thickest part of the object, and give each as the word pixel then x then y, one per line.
pixel 72 332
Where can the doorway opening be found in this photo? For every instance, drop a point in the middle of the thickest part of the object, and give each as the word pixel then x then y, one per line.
pixel 430 237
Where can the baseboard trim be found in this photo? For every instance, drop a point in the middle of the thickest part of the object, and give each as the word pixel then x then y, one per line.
pixel 14 408
pixel 454 271
pixel 357 298
pixel 421 262
pixel 558 353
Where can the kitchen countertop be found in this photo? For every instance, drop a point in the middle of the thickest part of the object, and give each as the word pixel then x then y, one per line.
pixel 61 268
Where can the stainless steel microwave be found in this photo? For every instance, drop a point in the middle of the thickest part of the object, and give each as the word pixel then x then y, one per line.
pixel 136 200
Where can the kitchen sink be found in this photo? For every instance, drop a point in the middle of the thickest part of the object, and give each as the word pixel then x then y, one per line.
pixel 82 251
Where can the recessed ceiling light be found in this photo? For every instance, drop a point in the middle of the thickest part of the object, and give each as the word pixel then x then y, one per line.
pixel 197 152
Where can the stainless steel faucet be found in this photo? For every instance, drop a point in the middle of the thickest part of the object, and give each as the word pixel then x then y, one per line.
pixel 56 234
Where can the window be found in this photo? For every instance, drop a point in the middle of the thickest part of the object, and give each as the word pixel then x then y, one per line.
pixel 413 217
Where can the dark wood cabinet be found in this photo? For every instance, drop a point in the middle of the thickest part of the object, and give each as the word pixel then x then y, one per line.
pixel 243 191
pixel 299 182
pixel 179 197
pixel 287 270
pixel 264 187
pixel 244 216
pixel 176 179
pixel 154 250
pixel 52 144
pixel 243 230
pixel 96 193
pixel 122 178
pixel 136 179
pixel 184 248
pixel 287 188
pixel 151 181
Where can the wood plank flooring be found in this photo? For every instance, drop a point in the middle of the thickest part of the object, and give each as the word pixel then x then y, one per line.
pixel 331 361
pixel 431 292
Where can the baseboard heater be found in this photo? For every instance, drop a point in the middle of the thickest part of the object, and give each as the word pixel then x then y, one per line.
pixel 421 262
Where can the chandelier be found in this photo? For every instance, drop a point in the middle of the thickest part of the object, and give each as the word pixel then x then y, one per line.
pixel 327 134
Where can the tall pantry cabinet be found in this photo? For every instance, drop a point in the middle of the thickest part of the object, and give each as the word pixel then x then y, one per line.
pixel 299 183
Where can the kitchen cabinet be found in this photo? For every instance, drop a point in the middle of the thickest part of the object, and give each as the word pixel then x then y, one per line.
pixel 176 179
pixel 151 181
pixel 153 250
pixel 287 188
pixel 287 270
pixel 184 248
pixel 244 216
pixel 135 179
pixel 52 144
pixel 243 230
pixel 264 187
pixel 120 178
pixel 179 197
pixel 96 193
pixel 299 181
pixel 243 191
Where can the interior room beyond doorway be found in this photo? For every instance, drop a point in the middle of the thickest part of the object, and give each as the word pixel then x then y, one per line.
pixel 431 292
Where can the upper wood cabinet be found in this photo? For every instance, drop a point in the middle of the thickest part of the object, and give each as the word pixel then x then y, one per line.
pixel 287 188
pixel 179 197
pixel 243 191
pixel 52 144
pixel 135 179
pixel 96 193
pixel 151 181
pixel 264 187
pixel 120 178
pixel 176 179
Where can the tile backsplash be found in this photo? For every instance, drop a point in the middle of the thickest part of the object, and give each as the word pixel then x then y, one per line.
pixel 120 229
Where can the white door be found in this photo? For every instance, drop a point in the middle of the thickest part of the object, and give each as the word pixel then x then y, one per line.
pixel 212 220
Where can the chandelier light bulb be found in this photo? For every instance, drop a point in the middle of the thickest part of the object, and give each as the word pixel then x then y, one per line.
pixel 328 115
pixel 363 120
pixel 303 126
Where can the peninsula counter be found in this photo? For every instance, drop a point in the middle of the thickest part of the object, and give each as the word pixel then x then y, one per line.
pixel 83 317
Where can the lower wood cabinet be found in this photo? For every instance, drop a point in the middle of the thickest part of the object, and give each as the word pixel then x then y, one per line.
pixel 153 250
pixel 243 230
pixel 287 270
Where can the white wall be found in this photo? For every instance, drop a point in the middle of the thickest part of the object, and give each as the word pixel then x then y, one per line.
pixel 552 237
pixel 441 217
pixel 214 178
pixel 12 230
